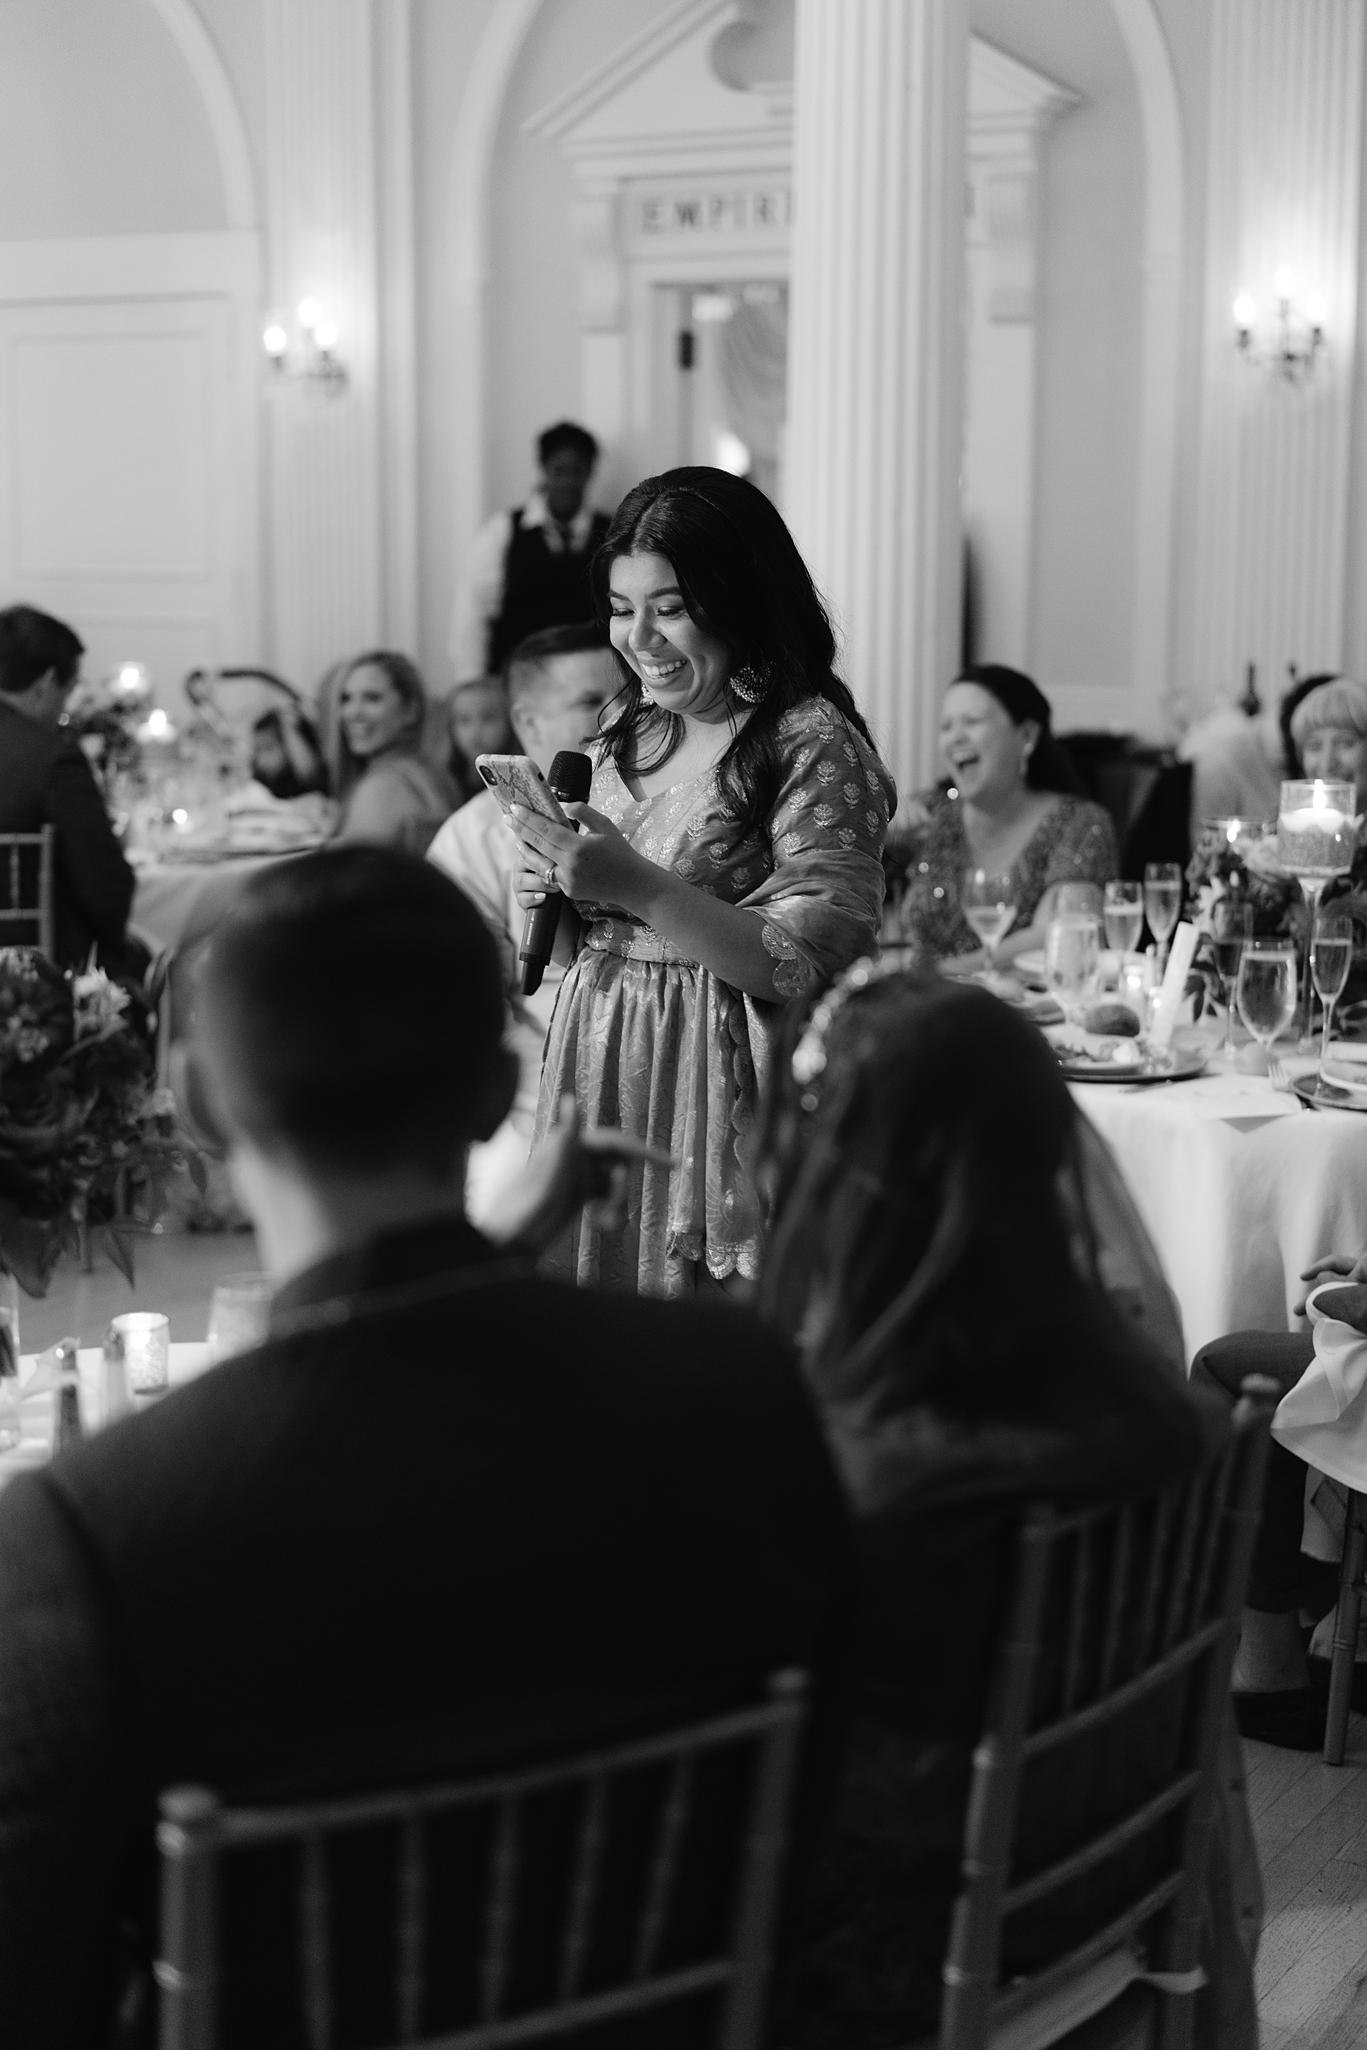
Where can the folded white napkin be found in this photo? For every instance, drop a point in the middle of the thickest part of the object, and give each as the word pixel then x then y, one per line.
pixel 1323 1419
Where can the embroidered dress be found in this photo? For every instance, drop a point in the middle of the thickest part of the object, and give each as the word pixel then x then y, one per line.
pixel 658 1046
pixel 1073 843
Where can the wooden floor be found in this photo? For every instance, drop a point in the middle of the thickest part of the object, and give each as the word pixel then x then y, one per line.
pixel 1311 1825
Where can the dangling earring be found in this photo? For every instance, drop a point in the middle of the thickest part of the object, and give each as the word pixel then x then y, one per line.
pixel 749 683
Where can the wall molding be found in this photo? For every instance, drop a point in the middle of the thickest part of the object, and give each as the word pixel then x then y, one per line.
pixel 200 51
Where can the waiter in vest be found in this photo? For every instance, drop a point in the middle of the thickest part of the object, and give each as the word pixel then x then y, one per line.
pixel 529 568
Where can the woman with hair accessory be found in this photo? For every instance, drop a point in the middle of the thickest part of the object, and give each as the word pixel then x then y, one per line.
pixel 919 1148
pixel 729 858
pixel 374 712
pixel 1013 807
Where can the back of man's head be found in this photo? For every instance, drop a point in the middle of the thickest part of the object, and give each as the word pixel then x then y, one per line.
pixel 351 1016
pixel 32 643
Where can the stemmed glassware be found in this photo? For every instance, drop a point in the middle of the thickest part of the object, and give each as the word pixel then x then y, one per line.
pixel 1162 903
pixel 1072 948
pixel 1231 929
pixel 1331 957
pixel 1316 838
pixel 1123 912
pixel 1266 988
pixel 988 903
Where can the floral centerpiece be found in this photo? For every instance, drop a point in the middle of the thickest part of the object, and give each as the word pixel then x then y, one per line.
pixel 1238 858
pixel 87 1141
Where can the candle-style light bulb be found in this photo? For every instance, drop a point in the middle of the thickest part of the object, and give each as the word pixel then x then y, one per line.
pixel 1245 312
pixel 275 342
pixel 325 336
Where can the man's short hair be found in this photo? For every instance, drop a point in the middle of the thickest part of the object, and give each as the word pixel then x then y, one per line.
pixel 566 434
pixel 31 643
pixel 525 669
pixel 351 1013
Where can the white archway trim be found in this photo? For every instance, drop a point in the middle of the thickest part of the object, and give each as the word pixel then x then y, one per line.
pixel 1152 674
pixel 201 54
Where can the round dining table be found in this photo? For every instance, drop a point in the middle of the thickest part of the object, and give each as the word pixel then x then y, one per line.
pixel 1241 1185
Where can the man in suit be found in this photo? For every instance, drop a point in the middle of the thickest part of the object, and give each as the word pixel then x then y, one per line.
pixel 445 1514
pixel 45 780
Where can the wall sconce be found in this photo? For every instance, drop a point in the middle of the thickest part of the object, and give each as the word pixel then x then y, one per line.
pixel 1290 339
pixel 311 353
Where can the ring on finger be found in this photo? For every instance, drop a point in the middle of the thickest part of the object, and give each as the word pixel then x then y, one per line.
pixel 548 876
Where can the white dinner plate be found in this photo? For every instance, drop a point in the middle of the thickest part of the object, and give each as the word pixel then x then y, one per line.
pixel 1345 1068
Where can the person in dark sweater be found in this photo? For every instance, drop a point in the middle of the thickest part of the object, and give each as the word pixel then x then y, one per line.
pixel 45 780
pixel 446 1516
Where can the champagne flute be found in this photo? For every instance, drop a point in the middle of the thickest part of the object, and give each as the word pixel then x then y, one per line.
pixel 988 902
pixel 1331 957
pixel 1162 903
pixel 1123 912
pixel 1266 988
pixel 1072 948
pixel 1231 929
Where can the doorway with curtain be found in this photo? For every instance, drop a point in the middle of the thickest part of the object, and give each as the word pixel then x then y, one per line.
pixel 726 370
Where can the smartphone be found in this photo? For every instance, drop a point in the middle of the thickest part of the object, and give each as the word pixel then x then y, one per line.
pixel 515 779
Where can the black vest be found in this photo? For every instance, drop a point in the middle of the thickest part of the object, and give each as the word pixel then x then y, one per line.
pixel 541 589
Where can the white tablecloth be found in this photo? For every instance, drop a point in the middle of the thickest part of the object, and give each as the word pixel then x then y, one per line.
pixel 1240 1186
pixel 187 1360
pixel 176 903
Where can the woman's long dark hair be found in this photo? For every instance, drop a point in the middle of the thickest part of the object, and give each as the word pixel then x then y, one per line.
pixel 742 579
pixel 932 1154
pixel 1050 766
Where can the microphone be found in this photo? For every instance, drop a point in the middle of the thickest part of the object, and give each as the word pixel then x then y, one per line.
pixel 568 782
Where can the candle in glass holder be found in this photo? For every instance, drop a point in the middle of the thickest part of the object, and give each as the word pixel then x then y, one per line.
pixel 139 1342
pixel 1316 828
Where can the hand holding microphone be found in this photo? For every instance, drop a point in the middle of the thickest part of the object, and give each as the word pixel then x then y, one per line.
pixel 568 782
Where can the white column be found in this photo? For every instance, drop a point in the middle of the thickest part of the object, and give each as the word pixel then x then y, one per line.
pixel 326 558
pixel 1271 577
pixel 875 410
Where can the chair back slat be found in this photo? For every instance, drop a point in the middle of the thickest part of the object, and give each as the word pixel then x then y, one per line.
pixel 1156 1585
pixel 539 1941
pixel 501 1920
pixel 27 916
pixel 315 1948
pixel 674 1813
pixel 584 1885
pixel 412 1931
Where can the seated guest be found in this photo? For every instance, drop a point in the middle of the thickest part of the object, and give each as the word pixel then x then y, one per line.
pixel 1280 1692
pixel 478 723
pixel 286 753
pixel 45 780
pixel 558 683
pixel 899 1191
pixel 374 712
pixel 1329 733
pixel 1013 806
pixel 446 1515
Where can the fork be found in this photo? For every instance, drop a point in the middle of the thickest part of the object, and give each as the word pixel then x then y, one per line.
pixel 1276 1072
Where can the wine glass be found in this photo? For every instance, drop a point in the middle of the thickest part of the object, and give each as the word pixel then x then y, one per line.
pixel 1123 912
pixel 1331 956
pixel 1162 902
pixel 1266 988
pixel 1231 929
pixel 988 902
pixel 1316 838
pixel 1072 947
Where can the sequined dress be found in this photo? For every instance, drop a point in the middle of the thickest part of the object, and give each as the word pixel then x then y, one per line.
pixel 655 1044
pixel 1073 842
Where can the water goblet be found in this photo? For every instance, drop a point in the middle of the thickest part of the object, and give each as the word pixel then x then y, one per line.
pixel 1231 929
pixel 1266 988
pixel 1123 913
pixel 1072 948
pixel 1162 903
pixel 988 902
pixel 1331 957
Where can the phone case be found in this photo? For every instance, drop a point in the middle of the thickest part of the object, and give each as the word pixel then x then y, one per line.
pixel 515 779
